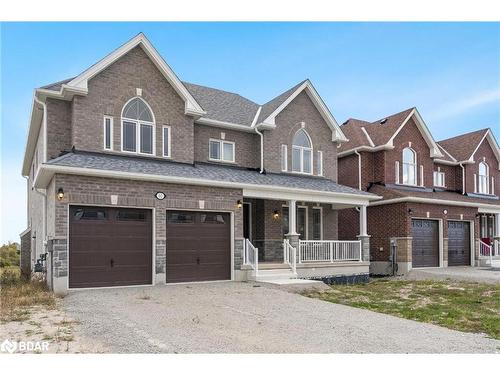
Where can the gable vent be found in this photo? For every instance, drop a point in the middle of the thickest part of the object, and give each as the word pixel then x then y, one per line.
pixel 383 121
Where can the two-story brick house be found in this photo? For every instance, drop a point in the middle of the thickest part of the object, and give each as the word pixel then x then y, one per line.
pixel 137 178
pixel 440 203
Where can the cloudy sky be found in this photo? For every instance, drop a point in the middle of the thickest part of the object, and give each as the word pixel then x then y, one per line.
pixel 449 71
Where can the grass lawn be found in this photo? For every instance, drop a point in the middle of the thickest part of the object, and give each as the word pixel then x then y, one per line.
pixel 463 306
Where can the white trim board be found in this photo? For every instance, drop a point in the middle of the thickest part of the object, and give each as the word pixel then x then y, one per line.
pixel 490 208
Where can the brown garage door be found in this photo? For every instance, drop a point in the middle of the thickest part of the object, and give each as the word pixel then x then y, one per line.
pixel 458 243
pixel 109 246
pixel 198 246
pixel 425 244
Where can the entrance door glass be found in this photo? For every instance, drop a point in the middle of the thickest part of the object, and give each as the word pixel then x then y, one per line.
pixel 301 222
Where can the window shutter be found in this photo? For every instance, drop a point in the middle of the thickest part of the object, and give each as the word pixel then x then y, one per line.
pixel 284 158
pixel 397 172
pixel 475 183
pixel 421 175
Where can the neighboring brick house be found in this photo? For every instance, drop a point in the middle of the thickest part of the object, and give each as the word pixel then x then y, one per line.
pixel 440 203
pixel 135 177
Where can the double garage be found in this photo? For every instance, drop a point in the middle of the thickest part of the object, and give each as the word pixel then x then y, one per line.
pixel 426 243
pixel 113 246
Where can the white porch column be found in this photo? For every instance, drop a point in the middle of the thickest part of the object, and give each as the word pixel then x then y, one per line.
pixel 497 225
pixel 362 221
pixel 292 218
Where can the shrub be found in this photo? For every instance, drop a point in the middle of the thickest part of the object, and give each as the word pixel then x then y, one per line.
pixel 9 254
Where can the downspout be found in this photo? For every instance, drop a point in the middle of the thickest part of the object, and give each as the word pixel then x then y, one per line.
pixel 261 148
pixel 463 178
pixel 359 168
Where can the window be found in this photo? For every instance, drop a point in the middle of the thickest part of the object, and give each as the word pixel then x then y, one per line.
pixel 319 163
pixel 89 214
pixel 409 167
pixel 302 152
pixel 138 128
pixel 212 218
pixel 284 158
pixel 180 218
pixel 108 133
pixel 221 150
pixel 483 178
pixel 439 179
pixel 301 221
pixel 317 224
pixel 131 215
pixel 166 141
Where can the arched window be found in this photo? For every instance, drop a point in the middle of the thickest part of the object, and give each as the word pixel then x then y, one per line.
pixel 302 152
pixel 138 127
pixel 483 178
pixel 409 167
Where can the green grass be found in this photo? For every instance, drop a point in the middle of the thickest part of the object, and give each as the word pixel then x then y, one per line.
pixel 463 306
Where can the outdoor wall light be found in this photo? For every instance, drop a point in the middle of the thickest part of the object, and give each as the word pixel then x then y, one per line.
pixel 239 204
pixel 445 212
pixel 60 194
pixel 276 215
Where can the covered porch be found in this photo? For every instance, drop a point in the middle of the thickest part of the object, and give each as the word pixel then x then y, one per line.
pixel 298 238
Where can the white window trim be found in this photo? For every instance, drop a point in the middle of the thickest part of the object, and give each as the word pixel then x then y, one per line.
pixel 480 178
pixel 110 118
pixel 436 180
pixel 138 130
pixel 221 153
pixel 169 141
pixel 397 172
pixel 284 158
pixel 320 161
pixel 321 222
pixel 414 165
pixel 301 149
pixel 306 218
pixel 138 136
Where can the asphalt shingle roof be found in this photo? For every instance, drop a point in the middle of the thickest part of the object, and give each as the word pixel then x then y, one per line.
pixel 461 147
pixel 199 171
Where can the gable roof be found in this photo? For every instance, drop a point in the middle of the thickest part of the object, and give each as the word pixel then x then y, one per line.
pixel 380 134
pixel 463 146
pixel 274 103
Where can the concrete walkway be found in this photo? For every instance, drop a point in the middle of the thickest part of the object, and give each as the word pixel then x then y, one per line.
pixel 232 317
pixel 475 274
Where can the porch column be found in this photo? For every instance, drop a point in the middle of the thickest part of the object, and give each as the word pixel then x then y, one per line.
pixel 363 235
pixel 292 234
pixel 497 226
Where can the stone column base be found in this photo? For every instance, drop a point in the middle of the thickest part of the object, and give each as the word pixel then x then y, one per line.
pixel 365 247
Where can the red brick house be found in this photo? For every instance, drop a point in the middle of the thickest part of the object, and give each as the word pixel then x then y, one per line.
pixel 135 177
pixel 440 203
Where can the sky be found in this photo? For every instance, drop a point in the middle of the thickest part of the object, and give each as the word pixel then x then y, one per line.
pixel 449 71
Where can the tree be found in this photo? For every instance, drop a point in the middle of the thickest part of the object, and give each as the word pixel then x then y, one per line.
pixel 10 254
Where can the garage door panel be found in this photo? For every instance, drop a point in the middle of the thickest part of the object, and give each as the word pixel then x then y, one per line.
pixel 425 244
pixel 198 246
pixel 458 243
pixel 106 250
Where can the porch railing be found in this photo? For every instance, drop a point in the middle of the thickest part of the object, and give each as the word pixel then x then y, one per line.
pixel 290 255
pixel 251 256
pixel 329 251
pixel 489 251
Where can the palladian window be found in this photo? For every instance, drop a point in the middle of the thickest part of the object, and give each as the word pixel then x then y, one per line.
pixel 483 178
pixel 138 127
pixel 409 167
pixel 302 152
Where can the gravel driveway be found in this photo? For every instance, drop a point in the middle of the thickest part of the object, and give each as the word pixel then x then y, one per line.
pixel 235 317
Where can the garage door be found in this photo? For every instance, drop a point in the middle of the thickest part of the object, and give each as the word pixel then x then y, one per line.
pixel 425 244
pixel 458 243
pixel 198 246
pixel 109 246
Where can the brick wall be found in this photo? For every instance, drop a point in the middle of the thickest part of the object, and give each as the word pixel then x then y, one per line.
pixel 287 124
pixel 113 87
pixel 58 127
pixel 26 255
pixel 348 170
pixel 247 145
pixel 453 176
pixel 484 151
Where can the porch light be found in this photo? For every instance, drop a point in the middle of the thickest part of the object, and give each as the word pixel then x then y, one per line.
pixel 445 212
pixel 60 194
pixel 239 204
pixel 276 214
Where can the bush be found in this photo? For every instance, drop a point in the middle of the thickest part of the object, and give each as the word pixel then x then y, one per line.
pixel 10 276
pixel 10 254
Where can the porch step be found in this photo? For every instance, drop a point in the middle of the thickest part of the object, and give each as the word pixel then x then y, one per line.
pixel 485 262
pixel 275 274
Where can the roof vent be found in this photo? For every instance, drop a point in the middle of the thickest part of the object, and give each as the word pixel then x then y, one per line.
pixel 383 121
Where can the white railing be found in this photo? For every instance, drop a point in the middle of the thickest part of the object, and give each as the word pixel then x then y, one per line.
pixel 485 250
pixel 290 255
pixel 329 251
pixel 251 256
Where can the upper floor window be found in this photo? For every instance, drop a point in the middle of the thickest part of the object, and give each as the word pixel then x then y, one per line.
pixel 219 150
pixel 409 167
pixel 483 178
pixel 439 178
pixel 138 127
pixel 302 152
